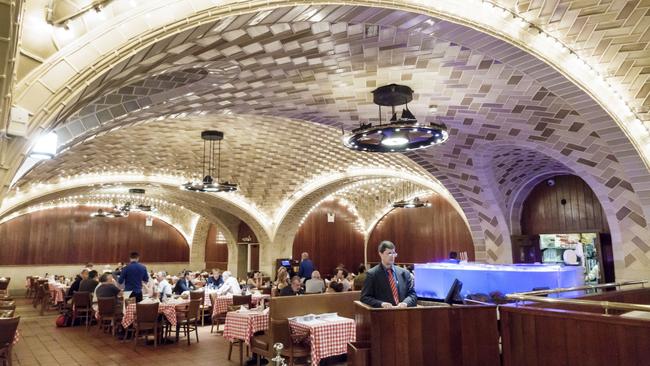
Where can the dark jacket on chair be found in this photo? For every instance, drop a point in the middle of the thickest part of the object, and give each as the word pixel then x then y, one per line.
pixel 376 288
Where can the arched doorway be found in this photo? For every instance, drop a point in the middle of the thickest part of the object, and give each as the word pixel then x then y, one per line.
pixel 560 214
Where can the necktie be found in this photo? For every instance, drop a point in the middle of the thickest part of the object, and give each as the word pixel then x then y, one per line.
pixel 393 286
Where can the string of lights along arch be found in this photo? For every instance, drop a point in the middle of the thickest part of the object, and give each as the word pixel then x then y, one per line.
pixel 399 134
pixel 209 184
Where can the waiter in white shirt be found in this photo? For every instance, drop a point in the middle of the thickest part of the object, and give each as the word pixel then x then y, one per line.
pixel 230 285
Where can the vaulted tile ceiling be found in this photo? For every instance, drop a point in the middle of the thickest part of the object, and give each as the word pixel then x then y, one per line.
pixel 256 76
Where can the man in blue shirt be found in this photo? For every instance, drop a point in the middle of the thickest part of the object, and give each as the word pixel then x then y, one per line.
pixel 215 281
pixel 306 267
pixel 133 275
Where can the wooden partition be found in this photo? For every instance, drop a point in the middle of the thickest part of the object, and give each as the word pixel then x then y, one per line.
pixel 632 296
pixel 284 307
pixel 541 336
pixel 440 335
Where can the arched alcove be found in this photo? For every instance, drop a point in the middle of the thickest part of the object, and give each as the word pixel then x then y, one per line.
pixel 330 243
pixel 68 235
pixel 216 249
pixel 424 234
pixel 562 204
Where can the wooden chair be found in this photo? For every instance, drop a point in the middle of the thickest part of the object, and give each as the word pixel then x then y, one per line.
pixel 47 302
pixel 146 322
pixel 278 331
pixel 38 293
pixel 216 318
pixel 200 295
pixel 8 327
pixel 266 290
pixel 239 300
pixel 4 285
pixel 28 290
pixel 189 319
pixel 82 307
pixel 107 316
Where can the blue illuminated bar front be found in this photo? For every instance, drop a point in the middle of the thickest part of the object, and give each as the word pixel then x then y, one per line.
pixel 433 280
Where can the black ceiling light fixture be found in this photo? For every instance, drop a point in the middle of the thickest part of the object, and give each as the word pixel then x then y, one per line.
pixel 399 134
pixel 413 202
pixel 126 208
pixel 209 184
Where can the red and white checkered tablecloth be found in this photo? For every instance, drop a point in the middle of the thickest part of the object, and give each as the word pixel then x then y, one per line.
pixel 169 310
pixel 224 301
pixel 56 291
pixel 244 325
pixel 327 337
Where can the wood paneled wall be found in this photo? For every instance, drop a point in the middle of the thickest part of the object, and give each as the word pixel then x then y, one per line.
pixel 330 243
pixel 216 249
pixel 543 211
pixel 70 235
pixel 424 234
pixel 245 232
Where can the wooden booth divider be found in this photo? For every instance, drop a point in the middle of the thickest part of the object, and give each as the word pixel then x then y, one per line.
pixel 459 335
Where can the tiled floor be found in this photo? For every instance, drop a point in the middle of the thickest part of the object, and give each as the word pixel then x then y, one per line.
pixel 42 343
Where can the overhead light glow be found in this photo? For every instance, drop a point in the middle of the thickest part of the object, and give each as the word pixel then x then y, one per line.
pixel 45 147
pixel 395 141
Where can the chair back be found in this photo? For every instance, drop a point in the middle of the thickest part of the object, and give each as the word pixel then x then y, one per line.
pixel 197 295
pixel 193 309
pixel 213 298
pixel 4 284
pixel 242 300
pixel 266 290
pixel 146 313
pixel 81 299
pixel 8 328
pixel 280 331
pixel 9 306
pixel 106 306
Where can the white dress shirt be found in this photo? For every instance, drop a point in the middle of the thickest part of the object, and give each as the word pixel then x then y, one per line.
pixel 164 288
pixel 229 287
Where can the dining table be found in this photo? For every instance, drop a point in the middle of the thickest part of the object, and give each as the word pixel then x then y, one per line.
pixel 223 302
pixel 327 335
pixel 168 309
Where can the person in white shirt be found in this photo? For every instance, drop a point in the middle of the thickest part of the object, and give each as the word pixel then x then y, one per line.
pixel 230 285
pixel 314 285
pixel 163 289
pixel 340 277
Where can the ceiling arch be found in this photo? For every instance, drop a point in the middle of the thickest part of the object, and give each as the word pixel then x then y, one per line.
pixel 486 89
pixel 488 21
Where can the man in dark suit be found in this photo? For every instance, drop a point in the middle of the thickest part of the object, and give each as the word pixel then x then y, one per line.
pixel 387 285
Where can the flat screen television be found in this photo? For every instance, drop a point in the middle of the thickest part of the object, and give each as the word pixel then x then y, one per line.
pixel 286 263
pixel 453 295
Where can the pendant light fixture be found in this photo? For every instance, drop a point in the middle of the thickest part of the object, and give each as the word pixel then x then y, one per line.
pixel 209 184
pixel 414 202
pixel 399 134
